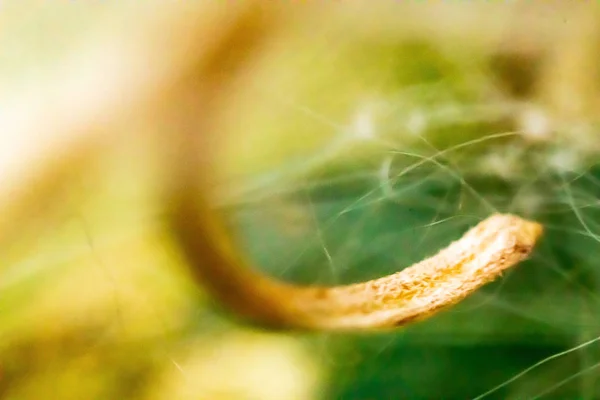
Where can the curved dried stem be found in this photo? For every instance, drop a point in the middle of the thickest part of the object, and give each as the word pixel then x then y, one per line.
pixel 480 256
pixel 415 293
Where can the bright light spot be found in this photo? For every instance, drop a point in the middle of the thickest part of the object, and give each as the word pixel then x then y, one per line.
pixel 363 126
pixel 535 125
pixel 416 123
pixel 565 160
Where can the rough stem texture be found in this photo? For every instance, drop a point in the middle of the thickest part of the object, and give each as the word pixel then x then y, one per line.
pixel 415 293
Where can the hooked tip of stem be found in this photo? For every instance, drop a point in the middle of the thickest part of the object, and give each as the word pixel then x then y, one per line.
pixel 531 232
pixel 525 233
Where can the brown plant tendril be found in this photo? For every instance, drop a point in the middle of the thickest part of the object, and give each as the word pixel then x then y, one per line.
pixel 415 293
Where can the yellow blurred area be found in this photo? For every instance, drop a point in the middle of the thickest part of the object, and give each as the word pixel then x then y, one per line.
pixel 96 304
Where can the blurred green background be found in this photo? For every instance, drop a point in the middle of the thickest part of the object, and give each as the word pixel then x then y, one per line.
pixel 363 140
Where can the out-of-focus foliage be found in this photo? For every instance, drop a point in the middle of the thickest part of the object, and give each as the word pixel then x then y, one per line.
pixel 361 140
